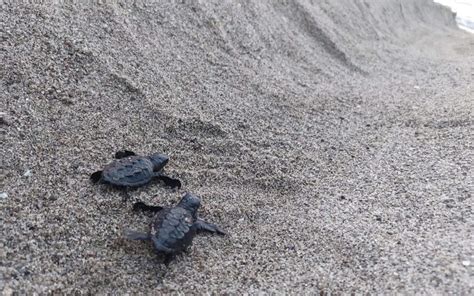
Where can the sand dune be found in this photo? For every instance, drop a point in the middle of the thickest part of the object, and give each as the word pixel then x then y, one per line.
pixel 333 140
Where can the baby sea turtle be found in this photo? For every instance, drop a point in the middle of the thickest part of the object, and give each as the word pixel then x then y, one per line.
pixel 131 170
pixel 172 229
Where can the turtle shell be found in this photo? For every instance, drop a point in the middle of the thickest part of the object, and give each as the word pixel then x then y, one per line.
pixel 172 230
pixel 131 171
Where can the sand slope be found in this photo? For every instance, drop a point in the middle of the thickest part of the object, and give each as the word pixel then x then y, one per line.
pixel 333 140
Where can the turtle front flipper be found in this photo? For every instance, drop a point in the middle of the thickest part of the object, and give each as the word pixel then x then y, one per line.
pixel 141 206
pixel 169 182
pixel 202 226
pixel 96 177
pixel 135 235
pixel 124 153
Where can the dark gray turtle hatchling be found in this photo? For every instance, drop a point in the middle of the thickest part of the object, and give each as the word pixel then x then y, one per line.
pixel 131 170
pixel 172 229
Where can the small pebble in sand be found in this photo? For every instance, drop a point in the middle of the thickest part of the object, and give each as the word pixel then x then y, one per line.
pixel 7 291
pixel 466 262
pixel 4 118
pixel 3 195
pixel 27 173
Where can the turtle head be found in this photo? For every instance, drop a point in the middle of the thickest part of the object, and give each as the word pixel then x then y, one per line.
pixel 190 202
pixel 159 161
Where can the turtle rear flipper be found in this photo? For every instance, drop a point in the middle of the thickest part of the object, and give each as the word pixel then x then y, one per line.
pixel 170 182
pixel 96 177
pixel 135 235
pixel 124 153
pixel 202 226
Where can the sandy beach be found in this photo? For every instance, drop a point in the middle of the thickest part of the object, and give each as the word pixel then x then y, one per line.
pixel 333 141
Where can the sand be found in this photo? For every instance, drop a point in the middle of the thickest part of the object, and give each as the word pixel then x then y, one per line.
pixel 332 140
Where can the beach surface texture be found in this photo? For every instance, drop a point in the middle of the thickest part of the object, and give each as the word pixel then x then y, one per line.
pixel 333 140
